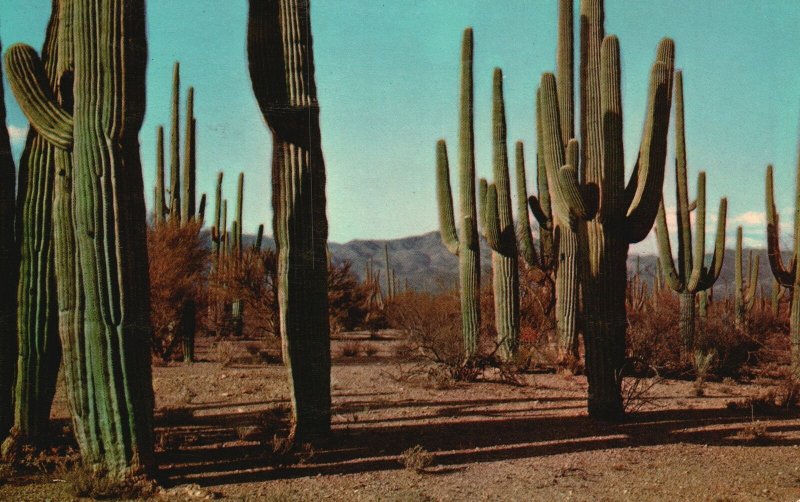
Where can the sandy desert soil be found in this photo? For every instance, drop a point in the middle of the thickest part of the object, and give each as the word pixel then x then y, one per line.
pixel 489 440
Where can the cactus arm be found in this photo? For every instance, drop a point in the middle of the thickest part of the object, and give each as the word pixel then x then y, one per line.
pixel 666 264
pixel 536 210
pixel 28 80
pixel 565 70
pixel 783 275
pixel 483 188
pixel 524 225
pixel 201 209
pixel 715 268
pixel 444 197
pixel 648 176
pixel 611 205
pixel 574 194
pixel 491 230
pixel 699 255
pixel 544 215
pixel 553 146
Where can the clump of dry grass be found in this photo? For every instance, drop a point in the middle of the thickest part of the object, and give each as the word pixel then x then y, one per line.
pixel 84 481
pixel 416 459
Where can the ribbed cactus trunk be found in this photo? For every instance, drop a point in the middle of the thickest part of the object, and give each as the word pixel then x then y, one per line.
pixel 282 72
pixel 39 349
pixel 463 241
pixel 8 270
pixel 687 314
pixel 174 148
pixel 500 233
pixel 102 260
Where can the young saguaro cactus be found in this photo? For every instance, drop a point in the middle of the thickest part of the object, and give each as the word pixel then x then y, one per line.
pixel 745 294
pixel 39 348
pixel 626 213
pixel 106 333
pixel 787 276
pixel 279 47
pixel 692 275
pixel 498 224
pixel 466 245
pixel 8 269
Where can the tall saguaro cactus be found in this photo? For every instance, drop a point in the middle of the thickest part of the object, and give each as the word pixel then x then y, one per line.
pixel 174 148
pixel 39 349
pixel 188 205
pixel 692 275
pixel 159 204
pixel 8 269
pixel 466 245
pixel 744 294
pixel 498 223
pixel 626 213
pixel 787 276
pixel 281 60
pixel 101 257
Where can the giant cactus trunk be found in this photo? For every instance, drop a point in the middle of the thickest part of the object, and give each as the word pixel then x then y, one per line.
pixel 466 245
pixel 282 72
pixel 625 213
pixel 101 258
pixel 8 270
pixel 39 349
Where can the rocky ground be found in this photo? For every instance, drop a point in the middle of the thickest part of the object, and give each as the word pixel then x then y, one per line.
pixel 218 426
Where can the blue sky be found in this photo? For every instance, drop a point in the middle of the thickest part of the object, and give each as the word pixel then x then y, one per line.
pixel 387 74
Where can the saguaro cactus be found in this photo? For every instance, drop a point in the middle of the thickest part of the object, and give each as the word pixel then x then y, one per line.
pixel 282 71
pixel 745 294
pixel 8 269
pixel 466 245
pixel 498 223
pixel 159 205
pixel 788 277
pixel 174 148
pixel 692 275
pixel 188 207
pixel 39 349
pixel 102 263
pixel 626 213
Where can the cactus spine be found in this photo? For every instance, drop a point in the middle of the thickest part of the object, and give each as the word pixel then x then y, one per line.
pixel 788 277
pixel 692 275
pixel 106 334
pixel 625 214
pixel 8 269
pixel 465 245
pixel 278 35
pixel 745 294
pixel 498 223
pixel 39 349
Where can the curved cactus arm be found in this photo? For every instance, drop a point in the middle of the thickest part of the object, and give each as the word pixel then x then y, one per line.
pixel 648 175
pixel 783 275
pixel 491 230
pixel 711 275
pixel 536 210
pixel 524 225
pixel 28 81
pixel 666 263
pixel 693 205
pixel 444 197
pixel 573 194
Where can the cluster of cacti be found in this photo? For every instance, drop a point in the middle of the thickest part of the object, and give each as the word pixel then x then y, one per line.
pixel 283 81
pixel 786 276
pixel 372 281
pixel 744 294
pixel 93 119
pixel 497 222
pixel 463 240
pixel 692 275
pixel 625 214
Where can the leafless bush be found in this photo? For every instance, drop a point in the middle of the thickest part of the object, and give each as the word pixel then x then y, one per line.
pixel 416 459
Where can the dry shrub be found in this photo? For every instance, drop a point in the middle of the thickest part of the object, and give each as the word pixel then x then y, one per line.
pixel 416 459
pixel 351 349
pixel 178 273
pixel 226 353
pixel 433 326
pixel 347 298
pixel 85 481
pixel 653 336
pixel 251 279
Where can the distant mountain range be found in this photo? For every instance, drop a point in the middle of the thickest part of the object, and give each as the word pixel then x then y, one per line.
pixel 427 265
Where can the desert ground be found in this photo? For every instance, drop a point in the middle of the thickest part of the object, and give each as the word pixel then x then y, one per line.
pixel 218 429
